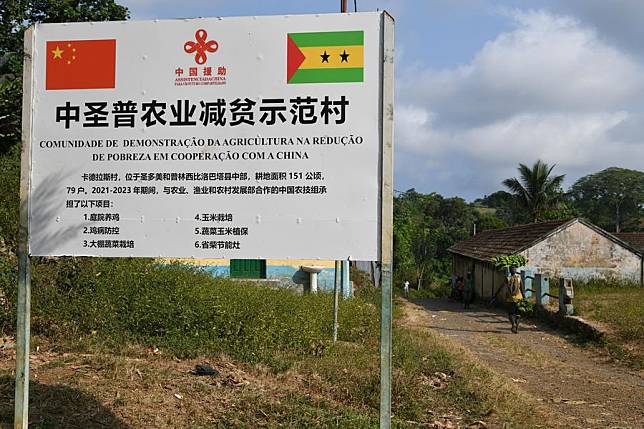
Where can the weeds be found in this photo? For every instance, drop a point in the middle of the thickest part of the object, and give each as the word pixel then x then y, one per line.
pixel 108 305
pixel 619 306
pixel 183 311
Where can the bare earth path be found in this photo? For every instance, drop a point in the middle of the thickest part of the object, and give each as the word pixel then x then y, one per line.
pixel 577 387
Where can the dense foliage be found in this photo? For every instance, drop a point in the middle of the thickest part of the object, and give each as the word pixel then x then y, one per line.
pixel 425 226
pixel 501 206
pixel 113 303
pixel 9 200
pixel 15 17
pixel 612 199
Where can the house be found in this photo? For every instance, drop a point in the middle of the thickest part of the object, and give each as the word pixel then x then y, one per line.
pixel 573 248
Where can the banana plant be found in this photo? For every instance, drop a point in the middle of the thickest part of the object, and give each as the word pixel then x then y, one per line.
pixel 509 261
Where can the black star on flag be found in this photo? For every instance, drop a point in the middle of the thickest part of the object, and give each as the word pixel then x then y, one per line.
pixel 325 57
pixel 344 56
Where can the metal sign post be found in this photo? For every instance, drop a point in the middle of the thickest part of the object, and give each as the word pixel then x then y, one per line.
pixel 336 290
pixel 386 216
pixel 23 312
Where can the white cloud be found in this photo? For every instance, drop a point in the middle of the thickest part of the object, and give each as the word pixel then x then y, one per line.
pixel 619 21
pixel 550 88
pixel 562 138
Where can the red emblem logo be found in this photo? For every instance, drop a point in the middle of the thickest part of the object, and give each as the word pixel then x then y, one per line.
pixel 201 46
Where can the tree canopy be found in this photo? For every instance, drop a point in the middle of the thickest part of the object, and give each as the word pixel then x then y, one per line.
pixel 612 198
pixel 15 17
pixel 537 191
pixel 504 209
pixel 425 226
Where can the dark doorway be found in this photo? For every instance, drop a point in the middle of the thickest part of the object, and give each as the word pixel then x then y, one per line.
pixel 248 268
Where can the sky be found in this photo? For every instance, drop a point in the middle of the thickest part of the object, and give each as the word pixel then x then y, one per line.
pixel 484 85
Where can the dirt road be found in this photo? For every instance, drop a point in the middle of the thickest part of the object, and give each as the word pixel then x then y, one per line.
pixel 577 387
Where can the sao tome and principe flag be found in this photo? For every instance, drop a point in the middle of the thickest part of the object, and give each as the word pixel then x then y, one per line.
pixel 80 64
pixel 325 57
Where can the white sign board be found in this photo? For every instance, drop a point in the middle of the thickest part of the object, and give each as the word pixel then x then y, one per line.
pixel 252 137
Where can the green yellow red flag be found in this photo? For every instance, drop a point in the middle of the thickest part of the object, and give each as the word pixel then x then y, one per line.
pixel 325 57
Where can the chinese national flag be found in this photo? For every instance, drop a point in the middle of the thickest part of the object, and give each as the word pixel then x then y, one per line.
pixel 81 64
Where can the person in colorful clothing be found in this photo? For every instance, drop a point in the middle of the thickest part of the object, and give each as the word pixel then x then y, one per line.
pixel 513 297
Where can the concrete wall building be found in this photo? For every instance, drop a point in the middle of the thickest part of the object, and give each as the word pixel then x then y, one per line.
pixel 574 248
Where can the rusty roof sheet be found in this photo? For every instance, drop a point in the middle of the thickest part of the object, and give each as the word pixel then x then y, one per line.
pixel 635 239
pixel 506 241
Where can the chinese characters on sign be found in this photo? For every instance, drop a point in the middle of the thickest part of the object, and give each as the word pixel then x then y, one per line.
pixel 270 111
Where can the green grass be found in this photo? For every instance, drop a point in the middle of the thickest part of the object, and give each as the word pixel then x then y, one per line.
pixel 434 290
pixel 619 307
pixel 616 304
pixel 124 305
pixel 295 410
pixel 183 311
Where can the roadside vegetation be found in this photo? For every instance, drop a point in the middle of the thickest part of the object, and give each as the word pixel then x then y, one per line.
pixel 135 323
pixel 616 304
pixel 108 304
pixel 619 307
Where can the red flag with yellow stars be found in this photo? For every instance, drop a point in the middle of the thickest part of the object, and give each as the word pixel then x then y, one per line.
pixel 80 64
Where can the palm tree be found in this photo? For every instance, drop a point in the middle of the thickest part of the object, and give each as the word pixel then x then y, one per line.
pixel 536 192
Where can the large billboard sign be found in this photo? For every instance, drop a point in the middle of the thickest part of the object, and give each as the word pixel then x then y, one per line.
pixel 250 137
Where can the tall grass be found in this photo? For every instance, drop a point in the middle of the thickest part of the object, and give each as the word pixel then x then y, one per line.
pixel 83 304
pixel 618 304
pixel 112 303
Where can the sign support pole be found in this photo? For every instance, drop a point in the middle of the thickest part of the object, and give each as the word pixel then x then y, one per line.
pixel 346 281
pixel 336 287
pixel 386 216
pixel 21 412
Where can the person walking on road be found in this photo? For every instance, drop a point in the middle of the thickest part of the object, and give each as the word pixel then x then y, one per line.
pixel 513 297
pixel 453 293
pixel 468 290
